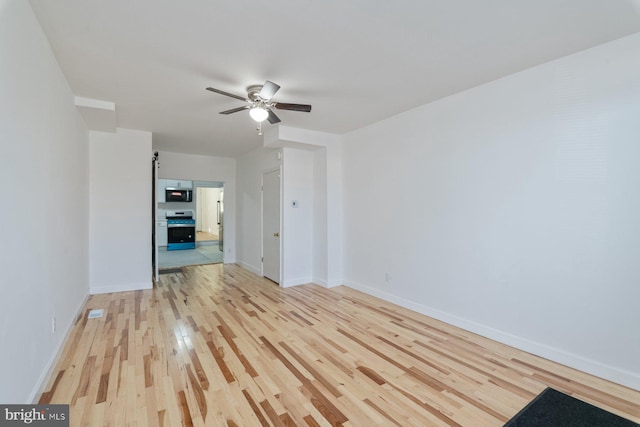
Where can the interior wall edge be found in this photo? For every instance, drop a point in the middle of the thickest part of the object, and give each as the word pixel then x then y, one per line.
pixel 247 266
pixel 123 287
pixel 326 283
pixel 333 283
pixel 320 282
pixel 295 282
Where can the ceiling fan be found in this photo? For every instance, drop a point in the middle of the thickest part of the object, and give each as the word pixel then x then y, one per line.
pixel 259 103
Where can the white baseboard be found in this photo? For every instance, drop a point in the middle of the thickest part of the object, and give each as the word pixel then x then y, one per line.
pixel 124 287
pixel 611 373
pixel 333 283
pixel 251 268
pixel 43 380
pixel 321 282
pixel 327 283
pixel 296 282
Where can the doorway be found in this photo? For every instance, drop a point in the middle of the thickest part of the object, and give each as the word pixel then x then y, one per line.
pixel 271 225
pixel 210 217
pixel 207 209
pixel 208 214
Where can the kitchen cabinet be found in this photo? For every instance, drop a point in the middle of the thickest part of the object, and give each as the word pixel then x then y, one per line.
pixel 162 184
pixel 161 232
pixel 177 183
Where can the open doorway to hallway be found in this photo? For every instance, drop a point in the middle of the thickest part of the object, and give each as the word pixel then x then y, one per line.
pixel 209 216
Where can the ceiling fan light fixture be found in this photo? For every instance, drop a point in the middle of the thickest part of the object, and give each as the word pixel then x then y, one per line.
pixel 259 104
pixel 259 114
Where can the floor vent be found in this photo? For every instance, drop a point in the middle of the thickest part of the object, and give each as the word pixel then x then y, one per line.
pixel 95 314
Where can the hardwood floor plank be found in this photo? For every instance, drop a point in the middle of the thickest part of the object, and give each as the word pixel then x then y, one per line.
pixel 256 410
pixel 198 392
pixel 216 345
pixel 318 399
pixel 186 413
pixel 313 371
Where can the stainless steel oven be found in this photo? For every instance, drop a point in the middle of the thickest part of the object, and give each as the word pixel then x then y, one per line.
pixel 181 230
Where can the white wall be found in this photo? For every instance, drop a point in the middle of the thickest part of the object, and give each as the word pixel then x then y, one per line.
pixel 45 208
pixel 207 212
pixel 512 209
pixel 334 209
pixel 207 168
pixel 297 223
pixel 320 234
pixel 251 166
pixel 120 211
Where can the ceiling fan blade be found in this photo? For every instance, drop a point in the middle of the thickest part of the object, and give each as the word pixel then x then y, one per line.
pixel 293 107
pixel 268 90
pixel 273 119
pixel 235 110
pixel 221 92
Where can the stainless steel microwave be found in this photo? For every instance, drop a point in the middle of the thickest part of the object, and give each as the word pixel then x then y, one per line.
pixel 178 195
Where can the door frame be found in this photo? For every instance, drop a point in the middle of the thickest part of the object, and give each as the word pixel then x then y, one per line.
pixel 154 217
pixel 281 269
pixel 211 184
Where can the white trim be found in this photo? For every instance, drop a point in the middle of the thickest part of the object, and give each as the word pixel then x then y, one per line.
pixel 281 171
pixel 125 287
pixel 327 283
pixel 94 103
pixel 333 283
pixel 43 380
pixel 320 282
pixel 611 373
pixel 296 282
pixel 280 215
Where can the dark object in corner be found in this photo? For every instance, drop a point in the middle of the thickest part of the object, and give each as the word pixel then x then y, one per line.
pixel 552 408
pixel 171 270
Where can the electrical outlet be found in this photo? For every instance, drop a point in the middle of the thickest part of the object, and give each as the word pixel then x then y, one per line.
pixel 387 277
pixel 53 325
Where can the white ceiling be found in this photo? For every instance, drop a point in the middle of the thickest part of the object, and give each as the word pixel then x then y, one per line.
pixel 355 61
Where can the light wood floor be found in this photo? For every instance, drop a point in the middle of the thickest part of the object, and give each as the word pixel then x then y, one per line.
pixel 218 346
pixel 204 236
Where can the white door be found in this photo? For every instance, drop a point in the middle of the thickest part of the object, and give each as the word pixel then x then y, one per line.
pixel 271 225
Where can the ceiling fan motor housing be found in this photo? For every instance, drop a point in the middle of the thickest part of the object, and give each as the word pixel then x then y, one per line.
pixel 253 92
